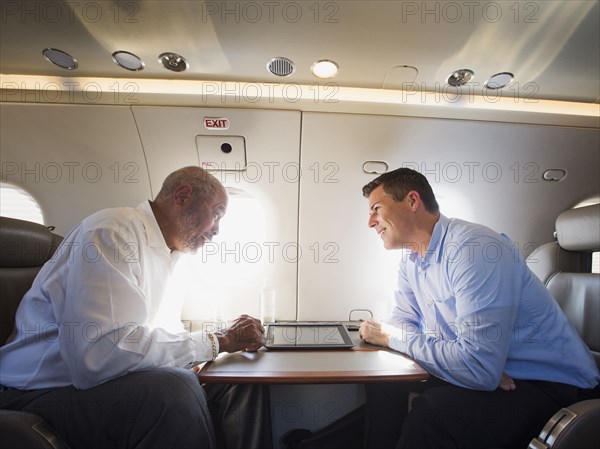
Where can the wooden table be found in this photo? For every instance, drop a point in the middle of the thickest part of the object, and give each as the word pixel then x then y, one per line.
pixel 363 363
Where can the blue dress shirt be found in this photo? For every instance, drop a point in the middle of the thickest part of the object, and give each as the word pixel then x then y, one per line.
pixel 471 309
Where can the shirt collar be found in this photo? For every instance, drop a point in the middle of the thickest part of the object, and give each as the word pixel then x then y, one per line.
pixel 434 249
pixel 153 232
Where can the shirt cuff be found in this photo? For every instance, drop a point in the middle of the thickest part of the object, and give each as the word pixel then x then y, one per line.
pixel 206 347
pixel 397 344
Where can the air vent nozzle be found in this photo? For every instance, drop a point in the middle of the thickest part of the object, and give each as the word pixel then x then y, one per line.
pixel 173 61
pixel 460 77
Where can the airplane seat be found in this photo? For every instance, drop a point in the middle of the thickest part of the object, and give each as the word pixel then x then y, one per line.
pixel 565 268
pixel 24 248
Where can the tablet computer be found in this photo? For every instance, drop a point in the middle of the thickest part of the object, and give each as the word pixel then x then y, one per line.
pixel 305 335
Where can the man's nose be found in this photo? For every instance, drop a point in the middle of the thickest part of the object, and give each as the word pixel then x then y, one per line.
pixel 372 221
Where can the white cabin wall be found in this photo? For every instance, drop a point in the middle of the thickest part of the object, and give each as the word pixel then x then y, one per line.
pixel 77 159
pixel 272 139
pixel 486 172
pixel 316 246
pixel 73 159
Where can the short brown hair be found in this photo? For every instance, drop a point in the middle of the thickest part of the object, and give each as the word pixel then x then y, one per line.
pixel 399 182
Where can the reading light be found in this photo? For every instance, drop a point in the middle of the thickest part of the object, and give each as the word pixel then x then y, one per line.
pixel 324 69
pixel 128 61
pixel 499 80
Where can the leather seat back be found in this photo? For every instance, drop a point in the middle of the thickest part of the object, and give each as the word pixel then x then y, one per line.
pixel 24 248
pixel 565 267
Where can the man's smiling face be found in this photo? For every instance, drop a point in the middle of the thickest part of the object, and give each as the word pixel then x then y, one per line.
pixel 392 220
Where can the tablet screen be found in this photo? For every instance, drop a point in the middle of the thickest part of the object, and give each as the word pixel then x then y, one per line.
pixel 307 336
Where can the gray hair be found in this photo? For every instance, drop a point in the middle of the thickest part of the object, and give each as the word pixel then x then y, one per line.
pixel 204 185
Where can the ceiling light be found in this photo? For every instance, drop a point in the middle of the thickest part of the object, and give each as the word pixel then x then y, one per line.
pixel 499 80
pixel 173 61
pixel 60 58
pixel 128 61
pixel 281 66
pixel 324 69
pixel 460 77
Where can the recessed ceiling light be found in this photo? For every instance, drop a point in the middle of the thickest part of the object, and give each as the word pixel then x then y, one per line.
pixel 281 66
pixel 60 58
pixel 128 61
pixel 460 77
pixel 499 80
pixel 173 61
pixel 324 69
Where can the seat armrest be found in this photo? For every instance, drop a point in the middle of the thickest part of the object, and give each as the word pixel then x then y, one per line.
pixel 22 429
pixel 571 427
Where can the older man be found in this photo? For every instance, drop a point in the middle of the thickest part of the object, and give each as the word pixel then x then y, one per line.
pixel 88 353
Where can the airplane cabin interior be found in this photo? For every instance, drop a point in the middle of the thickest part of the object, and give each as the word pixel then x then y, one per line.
pixel 497 103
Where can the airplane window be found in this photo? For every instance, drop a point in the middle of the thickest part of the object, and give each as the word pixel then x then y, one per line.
pixel 17 203
pixel 221 280
pixel 596 255
pixel 596 262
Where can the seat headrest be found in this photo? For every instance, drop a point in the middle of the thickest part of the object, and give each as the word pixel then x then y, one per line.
pixel 579 229
pixel 24 244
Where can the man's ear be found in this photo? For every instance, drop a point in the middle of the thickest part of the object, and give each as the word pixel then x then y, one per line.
pixel 182 194
pixel 413 199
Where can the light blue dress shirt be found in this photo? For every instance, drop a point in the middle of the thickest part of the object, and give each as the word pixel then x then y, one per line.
pixel 471 309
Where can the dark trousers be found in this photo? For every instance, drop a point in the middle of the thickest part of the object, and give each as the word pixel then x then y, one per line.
pixel 446 416
pixel 241 416
pixel 165 408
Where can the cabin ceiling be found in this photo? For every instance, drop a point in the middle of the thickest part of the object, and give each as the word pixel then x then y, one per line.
pixel 551 47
